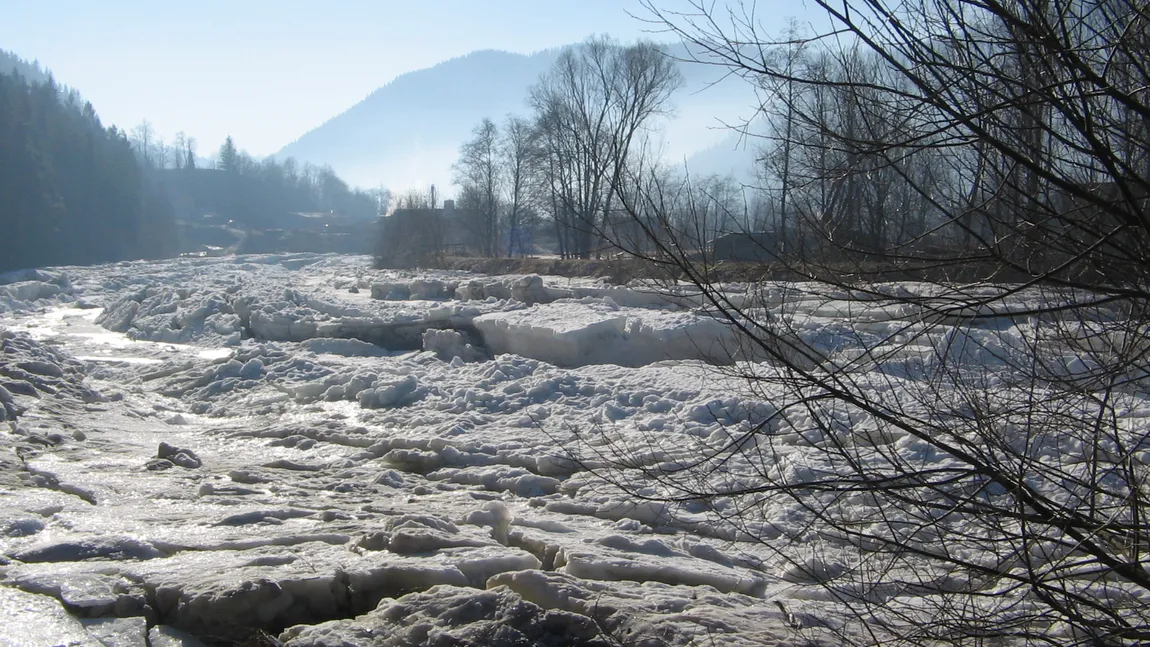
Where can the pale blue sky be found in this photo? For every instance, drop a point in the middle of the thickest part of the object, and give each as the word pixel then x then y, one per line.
pixel 266 71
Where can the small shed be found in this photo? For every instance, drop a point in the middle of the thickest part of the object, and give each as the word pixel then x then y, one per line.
pixel 745 247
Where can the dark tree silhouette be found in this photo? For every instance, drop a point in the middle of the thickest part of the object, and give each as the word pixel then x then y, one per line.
pixel 72 190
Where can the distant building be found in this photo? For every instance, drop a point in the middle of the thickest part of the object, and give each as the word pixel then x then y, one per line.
pixel 745 247
pixel 1104 223
pixel 412 237
pixel 1107 200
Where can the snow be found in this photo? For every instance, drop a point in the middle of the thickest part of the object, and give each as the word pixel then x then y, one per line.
pixel 591 330
pixel 388 466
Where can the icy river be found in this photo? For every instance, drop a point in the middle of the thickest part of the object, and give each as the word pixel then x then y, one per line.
pixel 299 449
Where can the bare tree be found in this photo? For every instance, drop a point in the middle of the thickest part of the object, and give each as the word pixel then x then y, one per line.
pixel 974 470
pixel 382 198
pixel 418 199
pixel 142 141
pixel 590 108
pixel 553 177
pixel 478 173
pixel 780 151
pixel 516 150
pixel 160 153
pixel 291 171
pixel 179 153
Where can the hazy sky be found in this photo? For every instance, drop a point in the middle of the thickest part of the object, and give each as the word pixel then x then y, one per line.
pixel 266 71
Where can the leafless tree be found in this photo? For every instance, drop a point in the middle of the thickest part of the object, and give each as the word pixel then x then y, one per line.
pixel 780 150
pixel 478 174
pixel 160 153
pixel 178 150
pixel 381 195
pixel 291 171
pixel 553 178
pixel 590 109
pixel 964 459
pixel 142 141
pixel 516 150
pixel 418 199
pixel 412 235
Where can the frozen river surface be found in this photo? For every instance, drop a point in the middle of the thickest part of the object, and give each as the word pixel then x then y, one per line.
pixel 300 447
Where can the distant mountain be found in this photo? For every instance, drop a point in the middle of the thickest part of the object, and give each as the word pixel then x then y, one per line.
pixel 735 155
pixel 408 132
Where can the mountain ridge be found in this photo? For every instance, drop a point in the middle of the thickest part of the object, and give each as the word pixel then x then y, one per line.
pixel 407 132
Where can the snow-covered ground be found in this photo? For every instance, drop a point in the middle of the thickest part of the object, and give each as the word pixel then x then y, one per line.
pixel 300 444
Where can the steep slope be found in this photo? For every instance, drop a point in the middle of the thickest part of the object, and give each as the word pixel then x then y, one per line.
pixel 411 128
pixel 407 133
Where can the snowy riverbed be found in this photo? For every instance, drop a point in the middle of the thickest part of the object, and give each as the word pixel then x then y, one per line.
pixel 339 455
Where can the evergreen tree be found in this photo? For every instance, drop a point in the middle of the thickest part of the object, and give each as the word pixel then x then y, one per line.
pixel 229 157
pixel 72 191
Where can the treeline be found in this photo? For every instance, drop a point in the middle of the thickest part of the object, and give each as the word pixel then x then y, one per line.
pixel 31 71
pixel 847 171
pixel 582 165
pixel 71 190
pixel 254 194
pixel 1000 158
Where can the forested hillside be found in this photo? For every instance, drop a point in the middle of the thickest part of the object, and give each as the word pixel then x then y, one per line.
pixel 240 204
pixel 71 190
pixel 31 71
pixel 255 194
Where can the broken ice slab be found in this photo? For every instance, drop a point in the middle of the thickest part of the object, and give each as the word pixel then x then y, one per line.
pixel 33 620
pixel 119 632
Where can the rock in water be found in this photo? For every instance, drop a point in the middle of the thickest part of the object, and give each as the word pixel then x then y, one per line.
pixel 183 457
pixel 159 465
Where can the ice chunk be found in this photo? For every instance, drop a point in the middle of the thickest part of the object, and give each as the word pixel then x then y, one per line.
pixel 448 615
pixel 28 291
pixel 106 547
pixel 165 636
pixel 41 368
pixel 31 620
pixel 676 572
pixel 493 514
pixel 448 344
pixel 119 632
pixel 530 290
pixel 252 369
pixel 573 332
pixel 409 541
pixel 20 527
pixel 344 347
